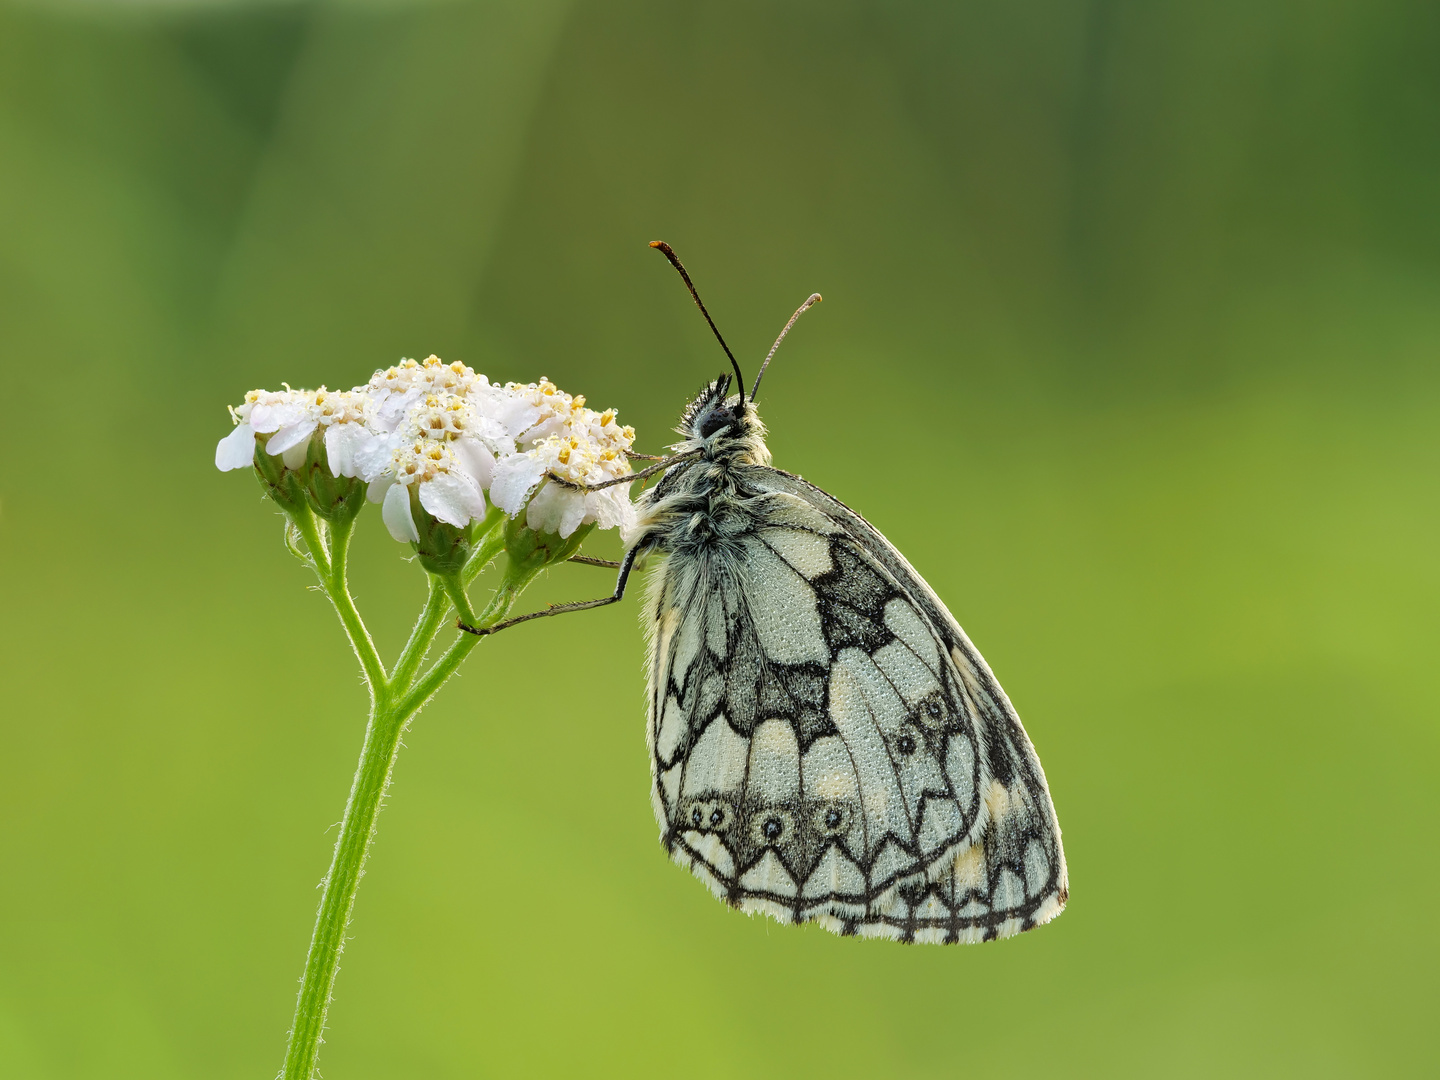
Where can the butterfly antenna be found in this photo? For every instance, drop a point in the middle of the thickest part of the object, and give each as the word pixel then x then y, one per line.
pixel 815 298
pixel 669 253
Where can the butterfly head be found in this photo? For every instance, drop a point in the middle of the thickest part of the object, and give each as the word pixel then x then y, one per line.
pixel 723 426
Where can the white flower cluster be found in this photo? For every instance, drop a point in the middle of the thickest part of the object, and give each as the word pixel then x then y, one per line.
pixel 450 435
pixel 289 418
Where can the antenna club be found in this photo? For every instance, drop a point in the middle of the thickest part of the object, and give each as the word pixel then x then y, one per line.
pixel 811 301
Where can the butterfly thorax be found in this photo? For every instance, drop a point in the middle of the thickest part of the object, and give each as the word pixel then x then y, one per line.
pixel 707 502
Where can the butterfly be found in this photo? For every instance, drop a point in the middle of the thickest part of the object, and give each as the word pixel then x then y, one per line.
pixel 826 744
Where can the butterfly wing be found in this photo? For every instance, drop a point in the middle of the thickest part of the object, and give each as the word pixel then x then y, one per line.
pixel 828 746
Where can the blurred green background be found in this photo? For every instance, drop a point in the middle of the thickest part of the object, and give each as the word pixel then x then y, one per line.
pixel 1129 343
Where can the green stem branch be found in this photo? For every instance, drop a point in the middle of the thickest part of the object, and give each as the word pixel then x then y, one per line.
pixel 489 545
pixel 309 528
pixel 437 605
pixel 337 587
pixel 499 606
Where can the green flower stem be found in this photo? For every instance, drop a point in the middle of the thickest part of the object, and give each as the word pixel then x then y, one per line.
pixel 488 545
pixel 337 587
pixel 486 548
pixel 372 777
pixel 437 605
pixel 393 704
pixel 309 528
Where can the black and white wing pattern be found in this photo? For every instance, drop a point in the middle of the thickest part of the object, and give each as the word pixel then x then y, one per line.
pixel 826 743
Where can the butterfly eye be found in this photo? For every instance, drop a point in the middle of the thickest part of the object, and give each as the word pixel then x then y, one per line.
pixel 715 420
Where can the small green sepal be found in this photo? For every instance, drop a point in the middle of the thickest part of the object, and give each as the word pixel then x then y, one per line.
pixel 334 498
pixel 531 551
pixel 443 549
pixel 279 483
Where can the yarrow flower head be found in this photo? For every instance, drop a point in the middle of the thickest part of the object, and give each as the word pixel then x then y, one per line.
pixel 428 440
pixel 575 444
pixel 303 445
pixel 288 418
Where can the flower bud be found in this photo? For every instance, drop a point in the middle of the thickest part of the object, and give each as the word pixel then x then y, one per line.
pixel 281 484
pixel 334 498
pixel 442 547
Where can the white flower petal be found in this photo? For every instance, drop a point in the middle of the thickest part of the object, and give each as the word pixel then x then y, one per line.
pixel 492 434
pixel 553 508
pixel 236 450
pixel 630 530
pixel 477 460
pixel 376 457
pixel 393 409
pixel 378 487
pixel 574 513
pixel 342 443
pixel 396 514
pixel 453 498
pixel 627 517
pixel 550 425
pixel 610 507
pixel 274 415
pixel 516 414
pixel 513 479
pixel 267 418
pixel 381 400
pixel 294 458
pixel 290 435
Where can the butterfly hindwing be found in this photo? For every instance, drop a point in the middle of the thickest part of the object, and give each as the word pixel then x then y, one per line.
pixel 826 743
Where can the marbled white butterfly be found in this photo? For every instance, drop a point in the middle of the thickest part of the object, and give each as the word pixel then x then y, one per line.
pixel 826 744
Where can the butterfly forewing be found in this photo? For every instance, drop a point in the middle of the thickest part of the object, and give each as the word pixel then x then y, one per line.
pixel 827 745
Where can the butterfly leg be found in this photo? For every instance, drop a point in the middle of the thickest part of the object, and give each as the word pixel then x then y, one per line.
pixel 561 609
pixel 586 560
